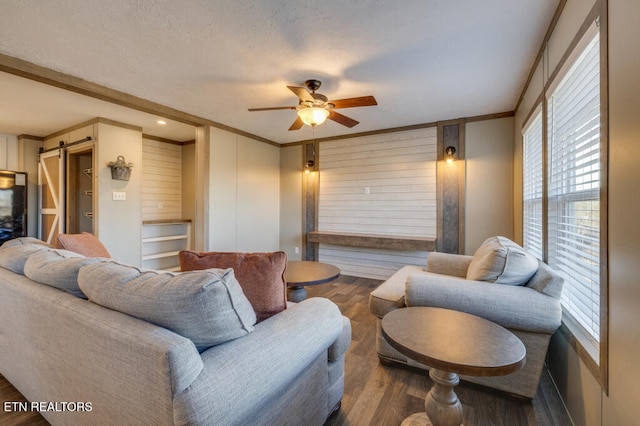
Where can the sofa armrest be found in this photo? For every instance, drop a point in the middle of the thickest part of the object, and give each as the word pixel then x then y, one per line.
pixel 342 343
pixel 280 348
pixel 390 294
pixel 513 307
pixel 448 264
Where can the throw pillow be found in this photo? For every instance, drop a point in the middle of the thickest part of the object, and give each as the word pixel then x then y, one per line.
pixel 86 244
pixel 14 257
pixel 261 276
pixel 502 261
pixel 546 281
pixel 207 307
pixel 57 268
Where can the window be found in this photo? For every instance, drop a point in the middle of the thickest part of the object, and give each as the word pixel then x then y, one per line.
pixel 532 187
pixel 573 194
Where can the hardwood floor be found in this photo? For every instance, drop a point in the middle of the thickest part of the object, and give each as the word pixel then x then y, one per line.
pixel 8 393
pixel 376 394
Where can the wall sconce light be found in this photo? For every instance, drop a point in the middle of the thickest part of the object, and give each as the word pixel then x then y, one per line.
pixel 308 167
pixel 450 154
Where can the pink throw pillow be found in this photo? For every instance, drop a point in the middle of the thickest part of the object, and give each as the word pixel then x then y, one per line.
pixel 86 244
pixel 261 276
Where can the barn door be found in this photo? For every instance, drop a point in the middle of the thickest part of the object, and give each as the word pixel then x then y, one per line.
pixel 51 192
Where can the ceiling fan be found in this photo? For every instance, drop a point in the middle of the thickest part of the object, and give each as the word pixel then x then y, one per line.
pixel 314 108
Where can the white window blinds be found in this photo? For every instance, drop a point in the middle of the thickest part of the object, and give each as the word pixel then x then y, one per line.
pixel 532 187
pixel 574 187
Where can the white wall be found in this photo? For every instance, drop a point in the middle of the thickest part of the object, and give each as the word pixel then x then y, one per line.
pixel 189 186
pixel 489 181
pixel 9 152
pixel 381 184
pixel 291 201
pixel 489 190
pixel 244 194
pixel 119 223
pixel 223 187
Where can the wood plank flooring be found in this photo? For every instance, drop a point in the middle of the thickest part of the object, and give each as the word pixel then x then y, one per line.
pixel 8 393
pixel 376 394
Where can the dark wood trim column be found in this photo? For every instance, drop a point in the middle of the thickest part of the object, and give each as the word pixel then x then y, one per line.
pixel 310 192
pixel 451 188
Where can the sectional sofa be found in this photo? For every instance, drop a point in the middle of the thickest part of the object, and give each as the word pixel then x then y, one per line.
pixel 95 341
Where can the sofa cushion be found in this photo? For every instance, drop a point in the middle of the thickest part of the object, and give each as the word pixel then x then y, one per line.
pixel 261 276
pixel 207 307
pixel 57 268
pixel 14 256
pixel 502 261
pixel 23 241
pixel 85 243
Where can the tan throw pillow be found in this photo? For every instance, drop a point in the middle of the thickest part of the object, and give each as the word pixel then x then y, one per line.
pixel 500 260
pixel 261 276
pixel 86 244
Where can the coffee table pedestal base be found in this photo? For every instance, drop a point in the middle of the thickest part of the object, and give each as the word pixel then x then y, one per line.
pixel 442 407
pixel 296 294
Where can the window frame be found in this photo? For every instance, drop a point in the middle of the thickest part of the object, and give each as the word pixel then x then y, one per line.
pixel 595 360
pixel 536 114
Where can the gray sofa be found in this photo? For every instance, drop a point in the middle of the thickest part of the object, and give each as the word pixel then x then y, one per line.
pixel 99 366
pixel 522 296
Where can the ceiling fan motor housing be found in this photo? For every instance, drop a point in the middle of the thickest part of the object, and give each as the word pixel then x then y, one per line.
pixel 313 85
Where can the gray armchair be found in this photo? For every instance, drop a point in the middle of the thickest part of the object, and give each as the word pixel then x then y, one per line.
pixel 526 303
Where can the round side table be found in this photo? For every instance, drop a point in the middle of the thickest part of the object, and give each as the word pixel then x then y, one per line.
pixel 451 343
pixel 300 273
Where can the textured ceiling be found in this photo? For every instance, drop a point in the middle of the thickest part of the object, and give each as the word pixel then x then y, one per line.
pixel 423 61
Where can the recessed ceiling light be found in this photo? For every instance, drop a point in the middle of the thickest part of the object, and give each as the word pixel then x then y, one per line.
pixel 161 122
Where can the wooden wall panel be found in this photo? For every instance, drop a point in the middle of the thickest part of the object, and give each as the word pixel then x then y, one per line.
pixel 369 263
pixel 161 180
pixel 381 184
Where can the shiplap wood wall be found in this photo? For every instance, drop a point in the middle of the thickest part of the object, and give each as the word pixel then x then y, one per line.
pixel 382 184
pixel 161 180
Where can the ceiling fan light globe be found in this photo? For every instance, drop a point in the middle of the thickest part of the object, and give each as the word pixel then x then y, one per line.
pixel 313 116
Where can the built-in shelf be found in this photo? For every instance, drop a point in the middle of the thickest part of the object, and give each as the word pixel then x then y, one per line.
pixel 167 238
pixel 377 241
pixel 162 241
pixel 161 255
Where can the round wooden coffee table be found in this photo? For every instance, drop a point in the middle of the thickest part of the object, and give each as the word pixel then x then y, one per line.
pixel 300 273
pixel 451 343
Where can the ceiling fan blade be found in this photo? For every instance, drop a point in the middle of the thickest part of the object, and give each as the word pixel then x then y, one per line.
pixel 302 93
pixel 297 124
pixel 270 108
pixel 342 119
pixel 355 102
